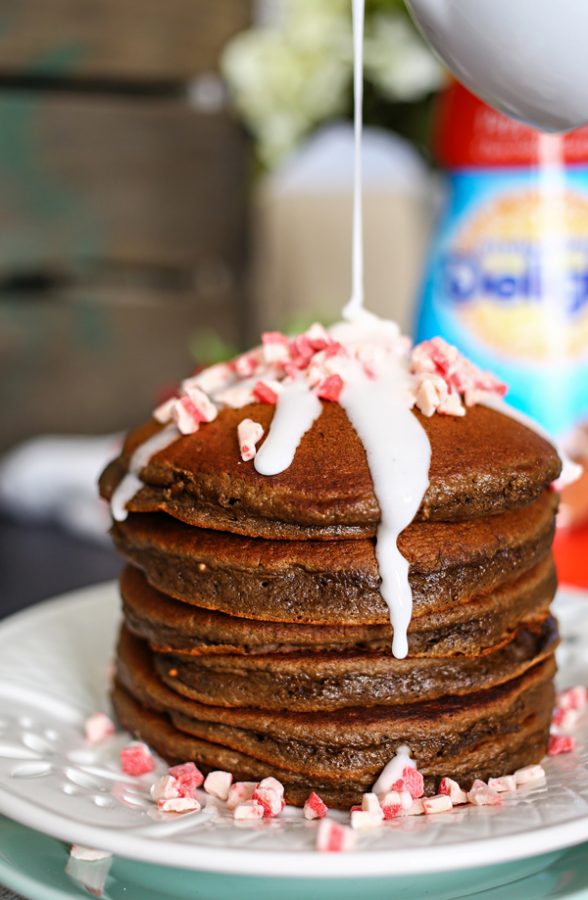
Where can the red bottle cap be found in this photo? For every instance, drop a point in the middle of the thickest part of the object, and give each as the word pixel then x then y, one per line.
pixel 469 133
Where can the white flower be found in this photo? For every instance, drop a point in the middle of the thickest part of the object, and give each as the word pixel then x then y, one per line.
pixel 288 78
pixel 398 61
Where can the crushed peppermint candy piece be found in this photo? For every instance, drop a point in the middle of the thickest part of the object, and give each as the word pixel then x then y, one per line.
pixel 437 357
pixel 179 805
pixel 276 347
pixel 136 759
pixel 218 784
pixel 98 728
pixel 573 698
pixel 248 811
pixel 269 793
pixel 330 388
pixel 314 807
pixel 440 803
pixel 333 838
pixel 249 434
pixel 163 412
pixel 88 854
pixel 370 803
pixel 503 784
pixel 451 789
pixel 564 720
pixel 247 364
pixel 214 378
pixel 205 408
pixel 529 775
pixel 391 804
pixel 185 415
pixel 480 794
pixel 266 391
pixel 188 776
pixel 416 808
pixel 362 819
pixel 411 781
pixel 240 792
pixel 165 788
pixel 560 743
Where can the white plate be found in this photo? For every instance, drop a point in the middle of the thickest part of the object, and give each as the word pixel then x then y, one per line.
pixel 54 663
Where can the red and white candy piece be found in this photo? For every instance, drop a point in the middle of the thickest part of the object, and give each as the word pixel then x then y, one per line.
pixel 98 728
pixel 185 415
pixel 560 743
pixel 314 807
pixel 179 805
pixel 88 854
pixel 214 378
pixel 564 720
pixel 411 781
pixel 240 792
pixel 269 793
pixel 246 812
pixel 480 794
pixel 416 808
pixel 249 434
pixel 503 784
pixel 371 814
pixel 163 412
pixel 247 364
pixel 218 784
pixel 440 803
pixel 330 388
pixel 188 776
pixel 573 698
pixel 205 408
pixel 136 759
pixel 266 390
pixel 451 789
pixel 392 805
pixel 529 775
pixel 333 838
pixel 276 347
pixel 165 788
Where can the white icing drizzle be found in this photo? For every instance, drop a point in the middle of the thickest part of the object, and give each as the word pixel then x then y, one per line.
pixel 393 770
pixel 131 483
pixel 355 304
pixel 296 410
pixel 398 453
pixel 570 471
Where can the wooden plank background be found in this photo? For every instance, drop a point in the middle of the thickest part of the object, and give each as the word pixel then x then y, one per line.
pixel 123 208
pixel 87 179
pixel 94 358
pixel 133 40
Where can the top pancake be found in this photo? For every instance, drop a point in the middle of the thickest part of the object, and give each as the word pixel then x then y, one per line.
pixel 482 463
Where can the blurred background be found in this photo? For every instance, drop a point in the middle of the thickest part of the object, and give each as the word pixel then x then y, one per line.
pixel 174 178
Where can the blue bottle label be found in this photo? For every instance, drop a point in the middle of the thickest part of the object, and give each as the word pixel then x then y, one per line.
pixel 511 292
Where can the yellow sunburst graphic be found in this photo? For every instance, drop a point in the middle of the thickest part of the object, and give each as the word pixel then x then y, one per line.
pixel 505 309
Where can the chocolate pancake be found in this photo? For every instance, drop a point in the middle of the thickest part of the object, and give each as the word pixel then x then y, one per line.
pixel 482 463
pixel 456 629
pixel 336 582
pixel 326 681
pixel 340 753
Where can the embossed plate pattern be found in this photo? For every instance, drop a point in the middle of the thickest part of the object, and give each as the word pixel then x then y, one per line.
pixel 54 665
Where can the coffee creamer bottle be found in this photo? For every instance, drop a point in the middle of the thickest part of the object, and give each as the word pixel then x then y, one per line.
pixel 507 276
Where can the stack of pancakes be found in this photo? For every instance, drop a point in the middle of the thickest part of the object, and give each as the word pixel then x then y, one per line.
pixel 255 638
